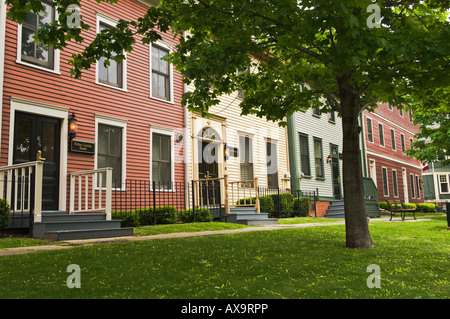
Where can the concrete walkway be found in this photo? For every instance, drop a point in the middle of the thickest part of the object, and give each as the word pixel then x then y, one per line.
pixel 87 242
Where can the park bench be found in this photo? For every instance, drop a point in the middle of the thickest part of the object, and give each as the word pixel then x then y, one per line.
pixel 397 206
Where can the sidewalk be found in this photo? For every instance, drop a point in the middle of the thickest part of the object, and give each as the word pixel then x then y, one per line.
pixel 88 242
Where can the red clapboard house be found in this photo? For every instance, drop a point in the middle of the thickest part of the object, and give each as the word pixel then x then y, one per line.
pixel 127 116
pixel 389 131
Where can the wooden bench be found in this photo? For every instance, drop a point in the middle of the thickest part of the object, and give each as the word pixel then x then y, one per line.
pixel 397 205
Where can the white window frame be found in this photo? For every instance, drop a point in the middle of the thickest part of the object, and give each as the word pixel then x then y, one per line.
pixel 403 142
pixel 413 185
pixel 417 180
pixel 382 142
pixel 171 133
pixel 387 180
pixel 112 121
pixel 371 127
pixel 101 18
pixel 168 47
pixel 395 185
pixel 393 141
pixel 252 137
pixel 447 177
pixel 56 53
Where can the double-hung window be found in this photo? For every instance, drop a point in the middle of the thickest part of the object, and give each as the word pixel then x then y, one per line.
pixel 31 52
pixel 318 158
pixel 246 159
pixel 110 152
pixel 393 140
pixel 304 155
pixel 385 181
pixel 381 133
pixel 162 160
pixel 160 77
pixel 111 74
pixel 443 181
pixel 369 130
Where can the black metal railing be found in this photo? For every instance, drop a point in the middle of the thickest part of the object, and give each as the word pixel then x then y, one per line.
pixel 283 203
pixel 140 202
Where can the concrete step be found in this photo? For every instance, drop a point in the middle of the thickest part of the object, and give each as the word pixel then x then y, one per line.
pixel 80 224
pixel 62 217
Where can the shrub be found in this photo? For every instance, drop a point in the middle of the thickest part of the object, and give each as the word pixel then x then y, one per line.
pixel 426 208
pixel 146 216
pixel 301 205
pixel 283 204
pixel 5 209
pixel 128 218
pixel 201 215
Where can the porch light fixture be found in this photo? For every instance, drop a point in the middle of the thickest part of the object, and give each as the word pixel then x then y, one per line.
pixel 73 126
pixel 329 159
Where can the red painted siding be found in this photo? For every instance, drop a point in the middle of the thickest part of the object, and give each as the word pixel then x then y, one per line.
pixel 87 99
pixel 386 156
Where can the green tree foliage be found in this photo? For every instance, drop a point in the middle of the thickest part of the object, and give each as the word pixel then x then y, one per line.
pixel 302 53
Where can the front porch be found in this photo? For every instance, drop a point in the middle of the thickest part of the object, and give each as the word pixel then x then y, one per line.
pixel 94 198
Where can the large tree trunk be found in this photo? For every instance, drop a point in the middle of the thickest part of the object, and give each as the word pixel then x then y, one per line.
pixel 356 225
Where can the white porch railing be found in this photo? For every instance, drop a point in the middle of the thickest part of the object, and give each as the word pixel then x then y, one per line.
pixel 244 193
pixel 17 187
pixel 87 192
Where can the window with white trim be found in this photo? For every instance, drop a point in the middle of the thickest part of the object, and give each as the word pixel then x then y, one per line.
pixel 111 148
pixel 384 175
pixel 393 139
pixel 161 73
pixel 369 130
pixel 34 53
pixel 395 182
pixel 246 159
pixel 417 186
pixel 112 74
pixel 162 158
pixel 443 181
pixel 381 133
pixel 413 191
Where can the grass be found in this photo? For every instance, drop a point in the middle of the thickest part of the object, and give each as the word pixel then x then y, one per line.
pixel 287 263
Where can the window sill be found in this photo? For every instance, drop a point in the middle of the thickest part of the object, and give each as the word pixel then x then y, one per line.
pixel 38 67
pixel 111 87
pixel 320 178
pixel 162 100
pixel 316 116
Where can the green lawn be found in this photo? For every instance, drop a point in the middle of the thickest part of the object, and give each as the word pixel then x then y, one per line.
pixel 288 263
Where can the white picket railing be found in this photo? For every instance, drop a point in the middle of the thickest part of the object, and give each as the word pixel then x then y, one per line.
pixel 88 193
pixel 17 188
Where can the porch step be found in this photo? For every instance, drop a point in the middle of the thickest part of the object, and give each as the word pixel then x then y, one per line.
pixel 336 209
pixel 58 225
pixel 248 216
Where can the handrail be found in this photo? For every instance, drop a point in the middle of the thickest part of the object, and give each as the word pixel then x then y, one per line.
pixel 252 192
pixel 12 195
pixel 91 191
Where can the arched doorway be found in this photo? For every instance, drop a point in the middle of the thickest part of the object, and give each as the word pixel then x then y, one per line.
pixel 208 151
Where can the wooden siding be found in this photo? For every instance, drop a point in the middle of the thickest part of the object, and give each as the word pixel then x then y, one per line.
pixel 330 133
pixel 228 112
pixel 386 156
pixel 88 99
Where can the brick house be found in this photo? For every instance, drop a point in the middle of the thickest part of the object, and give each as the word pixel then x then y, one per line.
pixel 388 132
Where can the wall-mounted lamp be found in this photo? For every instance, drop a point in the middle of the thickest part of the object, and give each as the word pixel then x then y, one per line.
pixel 73 127
pixel 329 159
pixel 178 137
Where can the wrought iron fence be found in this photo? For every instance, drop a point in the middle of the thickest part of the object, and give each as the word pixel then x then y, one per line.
pixel 282 203
pixel 140 202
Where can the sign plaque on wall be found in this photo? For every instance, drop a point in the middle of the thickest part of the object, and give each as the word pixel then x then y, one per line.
pixel 82 147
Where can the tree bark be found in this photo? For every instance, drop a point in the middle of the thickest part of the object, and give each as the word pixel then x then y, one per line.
pixel 356 225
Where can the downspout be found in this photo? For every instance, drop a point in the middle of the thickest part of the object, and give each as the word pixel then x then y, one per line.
pixel 292 149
